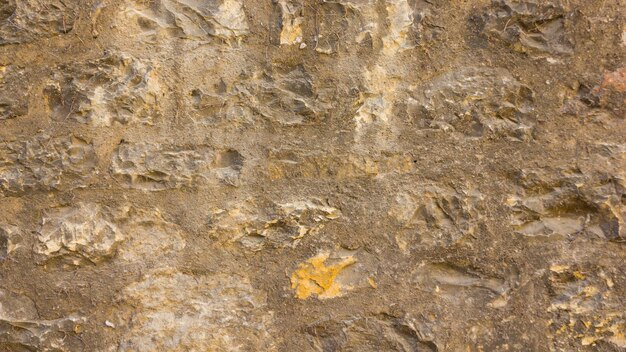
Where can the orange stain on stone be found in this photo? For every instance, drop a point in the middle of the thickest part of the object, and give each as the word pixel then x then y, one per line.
pixel 314 277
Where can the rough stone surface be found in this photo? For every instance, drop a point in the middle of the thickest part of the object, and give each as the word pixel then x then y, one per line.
pixel 85 230
pixel 42 163
pixel 312 175
pixel 182 312
pixel 115 88
pixel 29 20
pixel 21 328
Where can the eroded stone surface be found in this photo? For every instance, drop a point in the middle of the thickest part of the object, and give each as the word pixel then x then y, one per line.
pixel 157 167
pixel 21 328
pixel 454 282
pixel 150 238
pixel 475 102
pixel 14 88
pixel 25 21
pixel 181 312
pixel 584 305
pixel 570 205
pixel 9 240
pixel 256 225
pixel 436 216
pixel 371 333
pixel 304 175
pixel 89 233
pixel 223 19
pixel 294 164
pixel 43 163
pixel 85 231
pixel 532 26
pixel 114 89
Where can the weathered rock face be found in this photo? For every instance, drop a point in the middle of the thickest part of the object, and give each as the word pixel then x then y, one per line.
pixel 114 89
pixel 42 163
pixel 85 230
pixel 181 312
pixel 188 19
pixel 14 85
pixel 312 175
pixel 21 329
pixel 257 225
pixel 370 333
pixel 29 20
pixel 535 27
pixel 475 102
pixel 158 167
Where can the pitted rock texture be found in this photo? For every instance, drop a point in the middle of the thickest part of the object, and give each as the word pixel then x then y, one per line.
pixel 29 20
pixel 312 175
pixel 21 328
pixel 14 85
pixel 115 88
pixel 85 230
pixel 255 225
pixel 42 163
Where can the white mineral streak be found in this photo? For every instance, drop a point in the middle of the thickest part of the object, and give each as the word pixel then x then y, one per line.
pixel 377 103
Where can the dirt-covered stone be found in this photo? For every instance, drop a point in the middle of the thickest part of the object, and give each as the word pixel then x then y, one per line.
pixel 312 175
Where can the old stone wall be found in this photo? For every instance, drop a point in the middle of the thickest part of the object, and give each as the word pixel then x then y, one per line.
pixel 312 175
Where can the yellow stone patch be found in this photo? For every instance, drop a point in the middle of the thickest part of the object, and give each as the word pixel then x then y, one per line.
pixel 578 275
pixel 315 277
pixel 588 340
pixel 559 268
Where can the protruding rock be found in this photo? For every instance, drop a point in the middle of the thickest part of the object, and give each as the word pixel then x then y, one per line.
pixel 286 97
pixel 14 89
pixel 267 224
pixel 92 233
pixel 585 307
pixel 450 280
pixel 224 19
pixel 22 21
pixel 436 216
pixel 114 89
pixel 611 91
pixel 83 232
pixel 379 332
pixel 292 20
pixel 44 163
pixel 8 240
pixel 535 26
pixel 21 328
pixel 475 101
pixel 157 167
pixel 563 204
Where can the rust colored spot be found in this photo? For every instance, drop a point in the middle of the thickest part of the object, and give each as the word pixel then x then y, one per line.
pixel 315 277
pixel 614 81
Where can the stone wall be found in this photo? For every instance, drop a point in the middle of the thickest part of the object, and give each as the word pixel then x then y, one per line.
pixel 312 175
